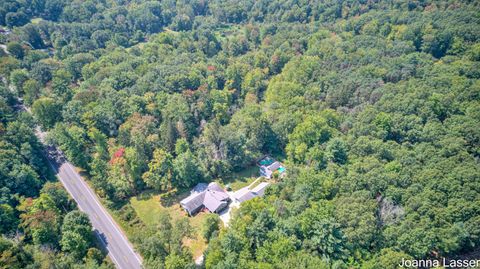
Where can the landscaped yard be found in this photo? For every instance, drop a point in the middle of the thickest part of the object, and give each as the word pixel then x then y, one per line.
pixel 149 208
pixel 242 178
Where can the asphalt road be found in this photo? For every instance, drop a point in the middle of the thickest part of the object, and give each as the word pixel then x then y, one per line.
pixel 108 232
pixel 119 249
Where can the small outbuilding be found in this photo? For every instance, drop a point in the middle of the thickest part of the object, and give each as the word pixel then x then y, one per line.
pixel 268 166
pixel 245 194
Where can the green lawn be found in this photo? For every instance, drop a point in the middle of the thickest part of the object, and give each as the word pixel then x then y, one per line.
pixel 242 178
pixel 36 20
pixel 149 208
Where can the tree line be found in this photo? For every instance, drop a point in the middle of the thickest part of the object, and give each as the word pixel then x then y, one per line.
pixel 373 106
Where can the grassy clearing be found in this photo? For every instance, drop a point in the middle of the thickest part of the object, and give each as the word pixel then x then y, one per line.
pixel 242 178
pixel 257 183
pixel 36 20
pixel 225 31
pixel 149 207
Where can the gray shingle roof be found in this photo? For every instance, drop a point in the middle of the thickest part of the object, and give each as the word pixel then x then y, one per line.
pixel 245 194
pixel 274 166
pixel 213 197
pixel 199 188
pixel 193 202
pixel 259 190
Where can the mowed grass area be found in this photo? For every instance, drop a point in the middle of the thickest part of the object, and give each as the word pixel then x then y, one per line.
pixel 242 178
pixel 149 207
pixel 36 20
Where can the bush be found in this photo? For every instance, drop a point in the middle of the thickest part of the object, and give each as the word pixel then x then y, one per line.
pixel 211 224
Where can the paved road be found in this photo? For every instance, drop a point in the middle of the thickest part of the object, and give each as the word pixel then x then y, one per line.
pixel 113 239
pixel 119 249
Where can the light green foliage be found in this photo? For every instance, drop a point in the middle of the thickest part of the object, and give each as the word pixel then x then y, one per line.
pixel 313 132
pixel 160 172
pixel 60 83
pixel 163 248
pixel 18 78
pixel 76 234
pixel 46 111
pixel 187 172
pixel 373 108
pixel 72 140
pixel 31 89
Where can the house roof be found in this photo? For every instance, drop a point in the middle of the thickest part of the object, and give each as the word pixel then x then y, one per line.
pixel 260 188
pixel 215 200
pixel 274 166
pixel 212 197
pixel 199 188
pixel 215 187
pixel 193 202
pixel 243 194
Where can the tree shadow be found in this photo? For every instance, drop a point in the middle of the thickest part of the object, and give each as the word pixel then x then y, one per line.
pixel 170 198
pixel 102 241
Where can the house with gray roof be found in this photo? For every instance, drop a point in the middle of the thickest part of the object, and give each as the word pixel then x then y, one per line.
pixel 211 196
pixel 268 166
pixel 245 194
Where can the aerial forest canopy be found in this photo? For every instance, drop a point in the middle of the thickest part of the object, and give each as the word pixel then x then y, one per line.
pixel 373 106
pixel 39 225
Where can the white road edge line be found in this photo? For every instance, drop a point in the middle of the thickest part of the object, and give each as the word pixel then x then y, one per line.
pixel 110 254
pixel 104 211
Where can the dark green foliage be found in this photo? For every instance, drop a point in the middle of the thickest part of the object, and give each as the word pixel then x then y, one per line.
pixel 373 107
pixel 163 247
pixel 15 49
pixel 211 226
pixel 32 206
pixel 7 218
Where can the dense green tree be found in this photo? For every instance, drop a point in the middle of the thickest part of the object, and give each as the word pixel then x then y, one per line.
pixel 14 254
pixel 18 78
pixel 314 131
pixel 59 195
pixel 336 151
pixel 31 89
pixel 73 142
pixel 160 174
pixel 41 220
pixel 47 112
pixel 41 72
pixel 16 50
pixel 7 65
pixel 211 224
pixel 187 172
pixel 8 218
pixel 16 19
pixel 76 234
pixel 60 83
